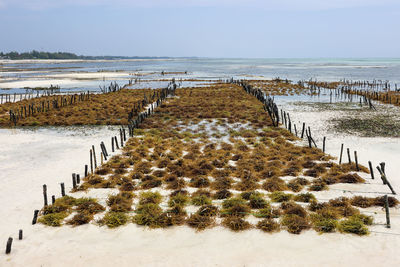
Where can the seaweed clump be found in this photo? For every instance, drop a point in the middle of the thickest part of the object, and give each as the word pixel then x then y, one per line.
pixel 353 225
pixel 236 223
pixel 203 218
pixel 295 224
pixel 268 225
pixel 236 207
pixel 114 219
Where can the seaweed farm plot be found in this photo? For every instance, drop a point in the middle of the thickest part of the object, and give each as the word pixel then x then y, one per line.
pixel 112 108
pixel 211 156
pixel 281 87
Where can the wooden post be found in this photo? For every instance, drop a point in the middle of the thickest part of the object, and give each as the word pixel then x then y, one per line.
pixel 302 131
pixel 94 157
pixel 295 129
pixel 103 147
pixel 35 215
pixel 121 138
pixel 371 170
pixel 45 195
pixel 385 180
pixel 104 151
pixel 62 189
pixel 341 153
pixel 20 234
pixel 382 166
pixel 382 170
pixel 112 144
pixel 323 144
pixel 387 211
pixel 116 142
pixel 356 160
pixel 91 161
pixel 123 130
pixel 348 155
pixel 9 244
pixel 78 179
pixel 74 181
pixel 53 199
pixel 286 124
pixel 86 170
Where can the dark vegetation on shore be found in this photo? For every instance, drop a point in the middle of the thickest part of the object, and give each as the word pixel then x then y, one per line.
pixel 60 55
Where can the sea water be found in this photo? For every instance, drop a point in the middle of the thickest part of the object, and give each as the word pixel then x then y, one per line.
pixel 326 69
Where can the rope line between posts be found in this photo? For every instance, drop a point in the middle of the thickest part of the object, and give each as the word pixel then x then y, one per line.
pixel 354 191
pixel 385 233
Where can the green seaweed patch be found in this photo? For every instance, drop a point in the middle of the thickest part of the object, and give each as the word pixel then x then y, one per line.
pixel 323 224
pixel 114 219
pixel 53 219
pixel 279 196
pixel 353 225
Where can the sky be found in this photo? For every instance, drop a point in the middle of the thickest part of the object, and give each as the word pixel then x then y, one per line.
pixel 204 28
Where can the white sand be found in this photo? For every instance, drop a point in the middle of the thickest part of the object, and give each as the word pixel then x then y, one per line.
pixel 51 158
pixel 63 79
pixel 91 75
pixel 32 83
pixel 62 61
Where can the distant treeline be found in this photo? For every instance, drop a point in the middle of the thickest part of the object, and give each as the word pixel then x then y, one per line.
pixel 57 55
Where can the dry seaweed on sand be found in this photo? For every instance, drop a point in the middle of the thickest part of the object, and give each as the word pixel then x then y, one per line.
pixel 178 200
pixel 353 225
pixel 304 197
pixel 380 201
pixel 80 219
pixel 114 219
pixel 150 197
pixel 200 222
pixel 200 182
pixel 268 225
pixel 256 201
pixel 323 224
pixel 279 196
pixel 236 223
pixel 88 205
pixel 121 202
pixel 246 184
pixel 350 178
pixel 318 185
pixel 274 184
pixel 148 215
pixel 208 210
pixel 268 213
pixel 199 200
pixel 61 205
pixel 53 219
pixel 293 208
pixel 174 216
pixel 295 224
pixel 235 207
pixel 294 186
pixel 335 208
pixel 222 183
pixel 222 194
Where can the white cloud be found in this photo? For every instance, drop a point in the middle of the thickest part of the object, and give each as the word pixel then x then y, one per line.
pixel 265 4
